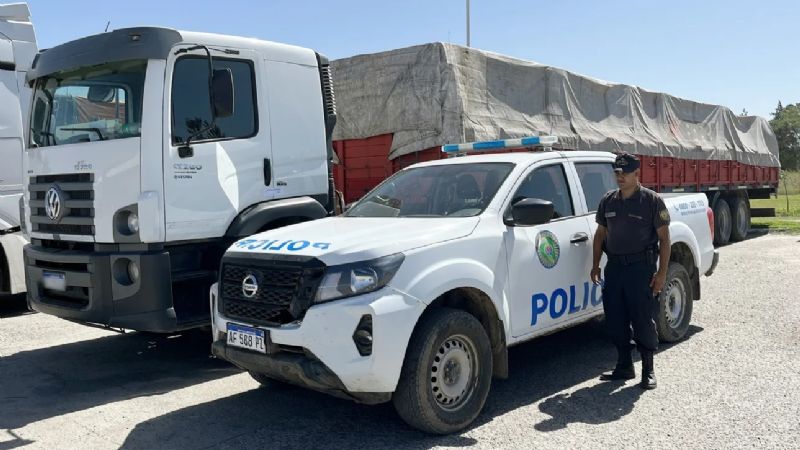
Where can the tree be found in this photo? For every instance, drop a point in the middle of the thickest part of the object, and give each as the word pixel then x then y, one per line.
pixel 786 125
pixel 744 112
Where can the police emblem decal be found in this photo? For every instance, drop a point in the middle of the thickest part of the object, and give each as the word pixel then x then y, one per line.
pixel 664 214
pixel 547 249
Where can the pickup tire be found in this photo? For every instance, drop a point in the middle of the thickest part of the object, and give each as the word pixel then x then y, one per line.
pixel 674 305
pixel 741 219
pixel 722 222
pixel 446 374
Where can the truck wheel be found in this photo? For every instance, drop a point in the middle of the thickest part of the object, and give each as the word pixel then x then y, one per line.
pixel 741 219
pixel 722 222
pixel 446 374
pixel 674 305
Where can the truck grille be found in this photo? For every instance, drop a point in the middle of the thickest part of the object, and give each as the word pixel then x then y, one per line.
pixel 286 289
pixel 76 195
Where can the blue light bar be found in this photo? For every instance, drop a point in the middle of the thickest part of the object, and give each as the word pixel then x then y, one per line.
pixel 505 143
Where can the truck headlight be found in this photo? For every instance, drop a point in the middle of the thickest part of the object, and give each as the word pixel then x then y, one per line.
pixel 126 221
pixel 133 223
pixel 358 278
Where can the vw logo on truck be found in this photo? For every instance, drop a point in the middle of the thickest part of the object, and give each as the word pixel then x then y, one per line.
pixel 52 203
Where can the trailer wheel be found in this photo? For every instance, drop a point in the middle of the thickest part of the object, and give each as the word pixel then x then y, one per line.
pixel 447 373
pixel 674 305
pixel 722 222
pixel 741 219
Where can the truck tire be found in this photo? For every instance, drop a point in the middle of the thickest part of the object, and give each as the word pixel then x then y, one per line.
pixel 741 219
pixel 446 374
pixel 722 222
pixel 674 305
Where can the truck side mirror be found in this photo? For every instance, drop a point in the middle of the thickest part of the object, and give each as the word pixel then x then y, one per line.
pixel 222 86
pixel 528 212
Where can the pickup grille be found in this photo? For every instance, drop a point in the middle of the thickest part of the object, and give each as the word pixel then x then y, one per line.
pixel 77 190
pixel 286 289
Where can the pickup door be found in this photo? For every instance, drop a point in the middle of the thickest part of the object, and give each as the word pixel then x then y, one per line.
pixel 549 264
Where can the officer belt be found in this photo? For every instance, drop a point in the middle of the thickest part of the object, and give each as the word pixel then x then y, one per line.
pixel 629 259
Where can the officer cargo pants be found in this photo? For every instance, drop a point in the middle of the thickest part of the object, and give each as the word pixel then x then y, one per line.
pixel 628 301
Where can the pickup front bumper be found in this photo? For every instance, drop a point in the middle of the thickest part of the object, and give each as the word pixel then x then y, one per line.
pixel 320 352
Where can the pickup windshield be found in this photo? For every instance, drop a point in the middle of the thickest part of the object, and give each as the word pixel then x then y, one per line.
pixel 455 190
pixel 96 103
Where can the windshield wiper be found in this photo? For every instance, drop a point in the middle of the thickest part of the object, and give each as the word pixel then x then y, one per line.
pixel 94 130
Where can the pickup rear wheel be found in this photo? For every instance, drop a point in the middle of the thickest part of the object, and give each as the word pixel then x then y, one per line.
pixel 674 305
pixel 447 372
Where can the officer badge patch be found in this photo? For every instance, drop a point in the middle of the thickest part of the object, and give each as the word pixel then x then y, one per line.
pixel 664 214
pixel 547 249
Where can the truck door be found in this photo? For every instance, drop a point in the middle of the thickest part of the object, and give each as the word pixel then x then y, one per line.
pixel 549 264
pixel 226 169
pixel 11 133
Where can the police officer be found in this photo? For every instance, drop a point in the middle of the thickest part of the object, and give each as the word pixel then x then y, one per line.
pixel 633 231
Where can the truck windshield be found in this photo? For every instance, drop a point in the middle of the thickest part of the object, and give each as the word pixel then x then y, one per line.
pixel 96 103
pixel 455 190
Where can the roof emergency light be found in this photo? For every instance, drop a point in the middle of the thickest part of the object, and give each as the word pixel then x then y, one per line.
pixel 504 143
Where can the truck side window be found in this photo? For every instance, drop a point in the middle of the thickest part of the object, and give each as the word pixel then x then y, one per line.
pixel 548 183
pixel 596 179
pixel 191 105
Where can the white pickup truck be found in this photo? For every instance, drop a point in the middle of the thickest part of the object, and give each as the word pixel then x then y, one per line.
pixel 415 294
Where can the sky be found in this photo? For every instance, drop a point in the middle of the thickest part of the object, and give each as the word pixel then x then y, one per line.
pixel 741 54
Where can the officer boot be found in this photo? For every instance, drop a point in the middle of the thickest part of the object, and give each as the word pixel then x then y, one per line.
pixel 624 369
pixel 648 371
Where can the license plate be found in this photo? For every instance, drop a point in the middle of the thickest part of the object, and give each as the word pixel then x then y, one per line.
pixel 247 337
pixel 55 281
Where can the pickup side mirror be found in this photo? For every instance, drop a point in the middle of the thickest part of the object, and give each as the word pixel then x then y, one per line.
pixel 222 86
pixel 528 212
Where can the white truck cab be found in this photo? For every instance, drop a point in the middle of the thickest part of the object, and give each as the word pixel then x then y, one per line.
pixel 151 150
pixel 416 292
pixel 17 50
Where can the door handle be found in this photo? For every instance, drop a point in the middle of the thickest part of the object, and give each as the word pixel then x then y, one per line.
pixel 577 238
pixel 267 172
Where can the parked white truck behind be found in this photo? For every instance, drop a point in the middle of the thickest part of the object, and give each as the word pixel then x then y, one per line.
pixel 152 150
pixel 17 50
pixel 416 293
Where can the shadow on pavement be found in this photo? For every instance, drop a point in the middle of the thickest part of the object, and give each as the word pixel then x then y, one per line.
pixel 287 417
pixel 48 382
pixel 13 306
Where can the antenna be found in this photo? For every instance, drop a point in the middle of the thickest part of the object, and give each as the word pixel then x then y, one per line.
pixel 107 24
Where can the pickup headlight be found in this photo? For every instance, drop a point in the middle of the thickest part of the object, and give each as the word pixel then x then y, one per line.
pixel 358 278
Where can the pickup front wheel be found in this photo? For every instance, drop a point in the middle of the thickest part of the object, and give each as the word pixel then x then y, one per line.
pixel 674 305
pixel 446 374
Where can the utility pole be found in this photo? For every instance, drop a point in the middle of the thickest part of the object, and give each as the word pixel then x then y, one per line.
pixel 468 23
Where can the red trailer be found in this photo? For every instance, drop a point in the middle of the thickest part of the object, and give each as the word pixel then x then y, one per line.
pixel 397 108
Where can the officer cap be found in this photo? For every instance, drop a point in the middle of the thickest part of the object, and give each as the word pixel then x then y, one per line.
pixel 626 163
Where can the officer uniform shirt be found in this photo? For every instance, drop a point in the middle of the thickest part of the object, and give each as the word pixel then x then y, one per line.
pixel 631 222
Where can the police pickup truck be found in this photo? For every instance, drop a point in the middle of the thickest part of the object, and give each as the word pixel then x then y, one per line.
pixel 415 293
